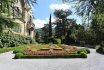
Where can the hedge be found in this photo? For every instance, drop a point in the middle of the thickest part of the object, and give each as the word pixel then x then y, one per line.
pixel 82 55
pixel 12 40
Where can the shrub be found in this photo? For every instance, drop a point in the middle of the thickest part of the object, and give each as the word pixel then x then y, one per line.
pixel 82 43
pixel 12 40
pixel 18 55
pixel 50 39
pixel 102 44
pixel 1 44
pixel 100 50
pixel 81 50
pixel 54 56
pixel 83 55
pixel 16 51
pixel 19 50
pixel 70 39
pixel 57 41
pixel 87 50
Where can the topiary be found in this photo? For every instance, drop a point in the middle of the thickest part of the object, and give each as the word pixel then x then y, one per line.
pixel 87 50
pixel 18 55
pixel 83 55
pixel 81 50
pixel 17 51
pixel 57 41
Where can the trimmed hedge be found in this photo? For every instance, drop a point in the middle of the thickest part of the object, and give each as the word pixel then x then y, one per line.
pixel 19 51
pixel 82 55
pixel 85 50
pixel 57 41
pixel 18 55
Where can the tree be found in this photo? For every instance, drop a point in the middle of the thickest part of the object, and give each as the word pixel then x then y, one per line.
pixel 45 30
pixel 50 27
pixel 62 23
pixel 37 36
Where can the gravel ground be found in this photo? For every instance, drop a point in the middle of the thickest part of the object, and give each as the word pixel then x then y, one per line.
pixel 94 61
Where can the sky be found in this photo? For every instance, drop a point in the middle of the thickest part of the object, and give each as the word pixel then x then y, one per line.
pixel 44 8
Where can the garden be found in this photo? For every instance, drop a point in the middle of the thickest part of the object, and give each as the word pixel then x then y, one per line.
pixel 51 51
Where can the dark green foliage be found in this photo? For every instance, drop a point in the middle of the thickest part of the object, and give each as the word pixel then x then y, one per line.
pixel 100 50
pixel 1 45
pixel 85 50
pixel 18 55
pixel 12 40
pixel 82 43
pixel 83 55
pixel 57 41
pixel 50 39
pixel 19 50
pixel 102 44
pixel 50 27
pixel 70 38
pixel 7 49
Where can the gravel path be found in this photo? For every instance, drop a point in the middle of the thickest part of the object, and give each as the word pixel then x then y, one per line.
pixel 94 61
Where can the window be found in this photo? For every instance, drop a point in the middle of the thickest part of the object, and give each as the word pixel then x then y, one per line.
pixel 17 12
pixel 18 29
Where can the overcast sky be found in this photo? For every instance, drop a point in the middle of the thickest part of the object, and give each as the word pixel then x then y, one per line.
pixel 44 8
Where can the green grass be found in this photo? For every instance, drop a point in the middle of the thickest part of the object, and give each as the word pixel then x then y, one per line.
pixel 5 49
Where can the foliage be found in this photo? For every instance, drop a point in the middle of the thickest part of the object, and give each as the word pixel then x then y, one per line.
pixel 44 51
pixel 83 55
pixel 85 50
pixel 12 40
pixel 18 55
pixel 62 23
pixel 54 56
pixel 70 38
pixel 102 44
pixel 6 49
pixel 50 27
pixel 50 39
pixel 100 50
pixel 18 51
pixel 57 41
pixel 37 36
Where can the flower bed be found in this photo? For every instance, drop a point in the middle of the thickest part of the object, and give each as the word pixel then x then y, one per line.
pixel 52 51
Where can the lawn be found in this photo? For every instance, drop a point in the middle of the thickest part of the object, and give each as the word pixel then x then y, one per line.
pixel 51 51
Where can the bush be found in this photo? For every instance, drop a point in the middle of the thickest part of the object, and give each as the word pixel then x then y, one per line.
pixel 54 56
pixel 83 55
pixel 82 43
pixel 1 45
pixel 18 55
pixel 102 44
pixel 87 50
pixel 81 50
pixel 100 50
pixel 19 50
pixel 12 40
pixel 57 41
pixel 70 39
pixel 50 39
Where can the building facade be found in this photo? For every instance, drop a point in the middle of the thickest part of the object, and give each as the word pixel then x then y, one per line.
pixel 23 15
